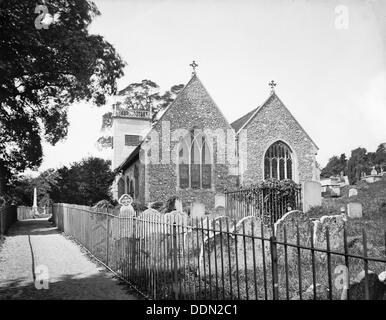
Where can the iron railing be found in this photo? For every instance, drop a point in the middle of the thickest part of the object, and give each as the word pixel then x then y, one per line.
pixel 269 203
pixel 221 258
pixel 132 113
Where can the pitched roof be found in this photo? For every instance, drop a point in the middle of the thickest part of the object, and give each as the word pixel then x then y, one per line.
pixel 134 154
pixel 243 121
pixel 237 124
pixel 194 80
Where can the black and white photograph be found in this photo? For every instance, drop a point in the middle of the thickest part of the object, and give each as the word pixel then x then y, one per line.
pixel 192 150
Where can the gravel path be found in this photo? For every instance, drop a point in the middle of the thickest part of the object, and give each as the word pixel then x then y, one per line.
pixel 33 246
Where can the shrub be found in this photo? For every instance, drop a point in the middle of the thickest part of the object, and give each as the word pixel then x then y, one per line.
pixel 138 206
pixel 103 204
pixel 157 205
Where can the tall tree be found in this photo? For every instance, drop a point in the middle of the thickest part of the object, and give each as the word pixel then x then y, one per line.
pixel 45 66
pixel 357 164
pixel 380 155
pixel 144 95
pixel 85 182
pixel 335 166
pixel 22 187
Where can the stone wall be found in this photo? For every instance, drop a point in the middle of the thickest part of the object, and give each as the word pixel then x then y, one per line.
pixel 193 109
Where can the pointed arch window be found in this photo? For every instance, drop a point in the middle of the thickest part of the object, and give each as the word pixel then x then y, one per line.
pixel 121 187
pixel 194 162
pixel 278 162
pixel 136 182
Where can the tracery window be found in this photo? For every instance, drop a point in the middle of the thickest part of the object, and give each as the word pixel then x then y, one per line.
pixel 194 162
pixel 278 161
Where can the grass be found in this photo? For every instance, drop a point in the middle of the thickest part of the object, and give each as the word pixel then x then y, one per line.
pixel 373 199
pixel 246 281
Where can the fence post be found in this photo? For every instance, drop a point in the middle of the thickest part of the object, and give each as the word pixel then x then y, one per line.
pixel 133 247
pixel 107 238
pixel 175 266
pixel 275 280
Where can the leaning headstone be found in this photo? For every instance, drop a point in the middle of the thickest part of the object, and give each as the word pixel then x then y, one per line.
pixel 220 223
pixel 291 222
pixel 256 234
pixel 213 258
pixel 192 244
pixel 352 192
pixel 335 226
pixel 294 224
pixel 354 210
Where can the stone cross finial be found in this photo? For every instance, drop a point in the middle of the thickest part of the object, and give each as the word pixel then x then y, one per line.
pixel 272 84
pixel 194 65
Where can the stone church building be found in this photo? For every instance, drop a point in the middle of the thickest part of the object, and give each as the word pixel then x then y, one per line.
pixel 192 151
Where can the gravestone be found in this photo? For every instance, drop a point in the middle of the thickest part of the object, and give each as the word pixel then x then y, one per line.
pixel 198 210
pixel 214 254
pixel 219 200
pixel 125 216
pixel 335 226
pixel 312 194
pixel 221 221
pixel 220 211
pixel 252 226
pixel 178 217
pixel 192 244
pixel 354 210
pixel 150 219
pixel 352 192
pixel 178 205
pixel 294 223
pixel 150 213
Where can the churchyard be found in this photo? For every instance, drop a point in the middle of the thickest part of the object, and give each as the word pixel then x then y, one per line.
pixel 315 255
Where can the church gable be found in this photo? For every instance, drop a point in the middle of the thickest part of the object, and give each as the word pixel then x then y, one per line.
pixel 270 123
pixel 193 107
pixel 274 114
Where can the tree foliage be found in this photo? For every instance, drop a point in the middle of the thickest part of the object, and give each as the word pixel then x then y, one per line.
pixel 356 164
pixel 335 166
pixel 361 162
pixel 144 95
pixel 22 188
pixel 42 72
pixel 85 182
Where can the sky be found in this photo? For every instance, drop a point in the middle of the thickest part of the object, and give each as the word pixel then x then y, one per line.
pixel 327 57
